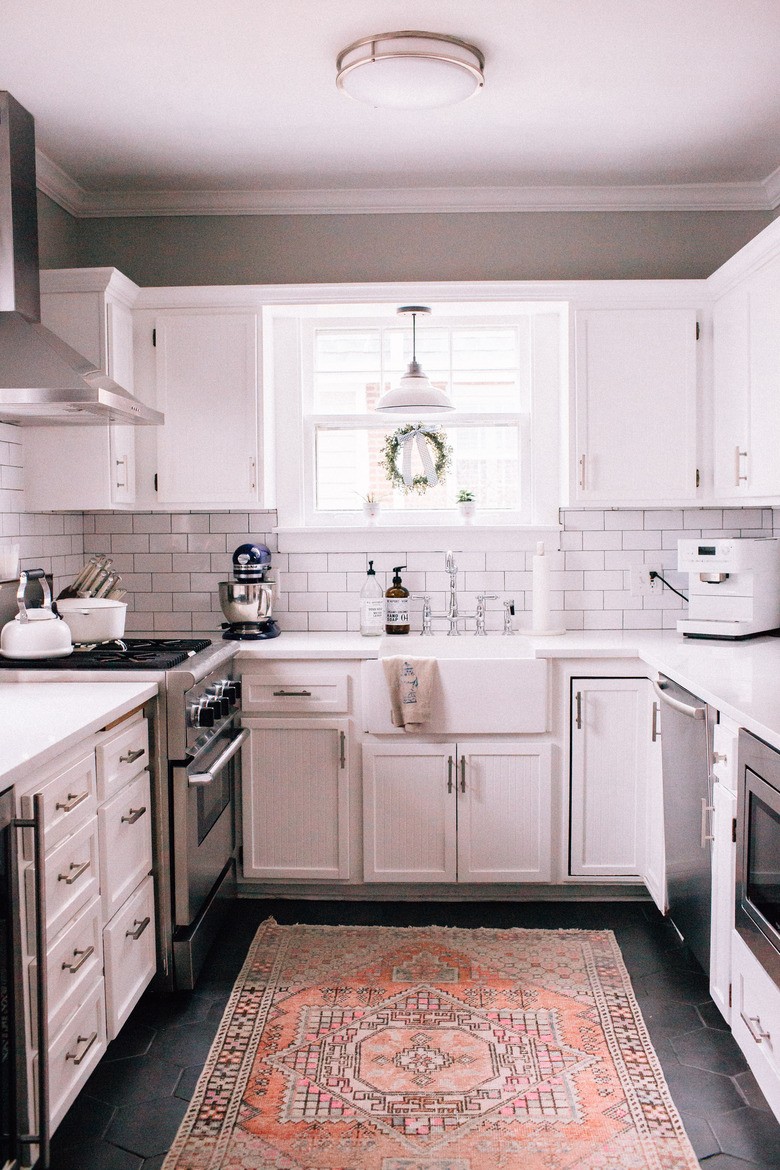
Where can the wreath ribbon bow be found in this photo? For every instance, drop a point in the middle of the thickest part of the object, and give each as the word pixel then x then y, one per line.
pixel 406 442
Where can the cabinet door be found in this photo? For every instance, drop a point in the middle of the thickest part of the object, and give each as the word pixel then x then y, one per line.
pixel 207 388
pixel 724 858
pixel 635 406
pixel 654 856
pixel 409 812
pixel 763 405
pixel 295 799
pixel 609 735
pixel 504 829
pixel 731 395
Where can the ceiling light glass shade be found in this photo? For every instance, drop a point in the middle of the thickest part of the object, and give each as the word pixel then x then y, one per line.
pixel 414 394
pixel 410 70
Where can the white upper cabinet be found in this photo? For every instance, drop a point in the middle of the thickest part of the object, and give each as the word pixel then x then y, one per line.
pixel 204 364
pixel 746 382
pixel 83 468
pixel 635 406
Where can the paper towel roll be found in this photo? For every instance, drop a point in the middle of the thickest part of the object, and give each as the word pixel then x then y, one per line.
pixel 541 590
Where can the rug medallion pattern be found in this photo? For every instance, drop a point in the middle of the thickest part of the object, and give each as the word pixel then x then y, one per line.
pixel 371 1048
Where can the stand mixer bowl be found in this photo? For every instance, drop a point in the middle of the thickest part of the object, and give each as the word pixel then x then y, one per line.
pixel 244 601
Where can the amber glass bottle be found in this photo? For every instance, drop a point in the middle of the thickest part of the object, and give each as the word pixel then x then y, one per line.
pixel 397 618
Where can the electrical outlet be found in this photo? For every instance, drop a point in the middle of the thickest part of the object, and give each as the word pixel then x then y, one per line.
pixel 642 583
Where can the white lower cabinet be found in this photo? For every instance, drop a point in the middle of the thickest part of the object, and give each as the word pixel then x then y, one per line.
pixel 755 1019
pixel 654 866
pixel 130 955
pixel 295 799
pixel 467 812
pixel 610 735
pixel 724 856
pixel 125 843
pixel 74 1051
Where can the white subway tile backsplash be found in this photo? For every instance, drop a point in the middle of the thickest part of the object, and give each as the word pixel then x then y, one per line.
pixel 572 518
pixel 151 522
pixel 624 518
pixel 584 560
pixel 235 523
pixel 612 539
pixel 211 542
pixel 189 522
pixel 642 539
pixel 309 563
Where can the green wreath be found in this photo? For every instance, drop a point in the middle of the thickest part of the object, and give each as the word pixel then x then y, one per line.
pixel 441 463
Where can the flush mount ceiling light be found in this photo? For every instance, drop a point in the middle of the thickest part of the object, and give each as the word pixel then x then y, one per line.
pixel 410 70
pixel 414 393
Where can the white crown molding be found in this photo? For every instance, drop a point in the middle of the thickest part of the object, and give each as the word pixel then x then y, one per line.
pixel 86 204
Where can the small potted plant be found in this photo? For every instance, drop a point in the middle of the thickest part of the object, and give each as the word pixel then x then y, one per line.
pixel 371 507
pixel 466 506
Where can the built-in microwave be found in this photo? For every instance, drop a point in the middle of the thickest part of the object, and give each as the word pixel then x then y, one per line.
pixel 757 909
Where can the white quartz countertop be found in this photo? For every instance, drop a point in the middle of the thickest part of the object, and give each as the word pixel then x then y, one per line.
pixel 39 720
pixel 741 679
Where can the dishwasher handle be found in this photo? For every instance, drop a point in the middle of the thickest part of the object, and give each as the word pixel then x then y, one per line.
pixel 675 704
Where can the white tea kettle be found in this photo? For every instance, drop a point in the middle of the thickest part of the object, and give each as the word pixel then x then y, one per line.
pixel 35 633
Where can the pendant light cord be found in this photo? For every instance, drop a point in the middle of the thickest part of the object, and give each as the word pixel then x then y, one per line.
pixel 414 337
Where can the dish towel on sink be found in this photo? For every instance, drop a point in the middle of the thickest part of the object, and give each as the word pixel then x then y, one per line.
pixel 410 683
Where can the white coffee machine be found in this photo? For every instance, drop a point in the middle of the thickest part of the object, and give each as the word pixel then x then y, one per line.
pixel 734 586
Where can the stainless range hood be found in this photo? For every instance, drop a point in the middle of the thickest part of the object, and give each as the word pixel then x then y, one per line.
pixel 42 380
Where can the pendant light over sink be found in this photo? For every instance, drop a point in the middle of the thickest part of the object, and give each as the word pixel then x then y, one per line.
pixel 414 393
pixel 410 70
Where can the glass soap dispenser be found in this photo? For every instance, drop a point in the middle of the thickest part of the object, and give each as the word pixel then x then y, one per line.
pixel 397 620
pixel 372 606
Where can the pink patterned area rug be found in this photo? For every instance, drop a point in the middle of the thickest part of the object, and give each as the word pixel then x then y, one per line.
pixel 376 1048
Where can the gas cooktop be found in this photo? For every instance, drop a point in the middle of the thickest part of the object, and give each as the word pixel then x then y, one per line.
pixel 140 654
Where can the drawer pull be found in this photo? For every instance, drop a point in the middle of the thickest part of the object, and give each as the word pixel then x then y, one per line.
pixel 292 694
pixel 758 1032
pixel 79 869
pixel 131 757
pixel 134 815
pixel 74 798
pixel 140 927
pixel 89 1041
pixel 74 967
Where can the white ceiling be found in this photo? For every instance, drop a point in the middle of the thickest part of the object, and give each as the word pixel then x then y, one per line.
pixel 143 105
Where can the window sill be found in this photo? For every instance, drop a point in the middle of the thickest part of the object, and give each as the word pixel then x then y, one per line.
pixel 417 538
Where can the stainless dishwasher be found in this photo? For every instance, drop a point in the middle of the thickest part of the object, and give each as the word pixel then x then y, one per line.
pixel 686 747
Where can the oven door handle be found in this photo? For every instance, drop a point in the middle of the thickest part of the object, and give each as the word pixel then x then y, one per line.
pixel 194 779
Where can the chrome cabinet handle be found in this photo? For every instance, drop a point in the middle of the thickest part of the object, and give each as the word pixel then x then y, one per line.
pixel 73 799
pixel 463 773
pixel 292 694
pixel 582 472
pixel 89 1041
pixel 342 750
pixel 738 479
pixel 578 716
pixel 74 967
pixel 78 867
pixel 655 734
pixel 131 757
pixel 758 1032
pixel 140 927
pixel 449 773
pixel 705 808
pixel 134 815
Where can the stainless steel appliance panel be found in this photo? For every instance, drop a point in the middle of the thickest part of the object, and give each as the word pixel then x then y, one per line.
pixel 757 908
pixel 686 739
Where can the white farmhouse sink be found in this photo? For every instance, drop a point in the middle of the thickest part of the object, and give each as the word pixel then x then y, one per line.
pixel 482 687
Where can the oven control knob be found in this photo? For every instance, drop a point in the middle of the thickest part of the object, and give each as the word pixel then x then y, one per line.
pixel 202 716
pixel 230 691
pixel 236 685
pixel 218 705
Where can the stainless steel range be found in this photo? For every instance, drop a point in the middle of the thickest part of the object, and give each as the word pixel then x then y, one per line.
pixel 195 746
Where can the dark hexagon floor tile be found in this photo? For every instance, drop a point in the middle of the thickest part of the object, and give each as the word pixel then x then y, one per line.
pixel 184 1045
pixel 712 1017
pixel 160 1011
pixel 726 1162
pixel 749 1134
pixel 149 1127
pixel 188 1081
pixel 679 985
pixel 95 1155
pixel 85 1120
pixel 138 1078
pixel 701 1137
pixel 154 1163
pixel 134 1040
pixel 710 1050
pixel 749 1088
pixel 702 1094
pixel 664 1015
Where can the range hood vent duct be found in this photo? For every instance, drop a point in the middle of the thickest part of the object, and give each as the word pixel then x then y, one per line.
pixel 43 381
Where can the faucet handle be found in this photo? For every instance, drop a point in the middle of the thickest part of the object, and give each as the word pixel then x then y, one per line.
pixel 487 597
pixel 425 598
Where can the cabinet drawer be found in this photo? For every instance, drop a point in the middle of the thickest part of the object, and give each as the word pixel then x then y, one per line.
pixel 121 757
pixel 71 879
pixel 69 800
pixel 130 951
pixel 125 824
pixel 74 1052
pixel 305 687
pixel 74 962
pixel 755 1018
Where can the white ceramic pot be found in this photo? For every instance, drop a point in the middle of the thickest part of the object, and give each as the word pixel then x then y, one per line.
pixel 43 635
pixel 93 619
pixel 371 509
pixel 467 508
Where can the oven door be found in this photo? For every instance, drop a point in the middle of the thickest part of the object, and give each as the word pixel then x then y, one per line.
pixel 204 821
pixel 757 915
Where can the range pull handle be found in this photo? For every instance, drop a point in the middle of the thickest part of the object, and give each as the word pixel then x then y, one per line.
pixel 195 778
pixel 74 967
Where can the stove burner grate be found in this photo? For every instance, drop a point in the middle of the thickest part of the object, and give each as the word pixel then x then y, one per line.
pixel 141 654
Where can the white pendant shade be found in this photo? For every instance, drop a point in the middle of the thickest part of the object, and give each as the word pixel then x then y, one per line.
pixel 410 70
pixel 414 394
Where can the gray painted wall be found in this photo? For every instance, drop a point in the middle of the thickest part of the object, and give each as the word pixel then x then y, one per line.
pixel 278 249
